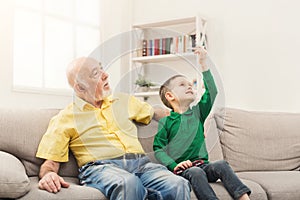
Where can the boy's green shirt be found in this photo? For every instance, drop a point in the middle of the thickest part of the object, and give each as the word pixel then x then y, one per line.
pixel 180 137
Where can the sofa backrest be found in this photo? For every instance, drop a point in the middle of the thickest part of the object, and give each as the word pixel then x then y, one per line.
pixel 20 133
pixel 254 141
pixel 22 129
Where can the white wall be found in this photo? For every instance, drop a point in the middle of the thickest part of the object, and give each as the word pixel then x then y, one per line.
pixel 8 97
pixel 116 19
pixel 253 43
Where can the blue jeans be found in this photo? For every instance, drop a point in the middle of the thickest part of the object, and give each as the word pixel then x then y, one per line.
pixel 200 177
pixel 134 179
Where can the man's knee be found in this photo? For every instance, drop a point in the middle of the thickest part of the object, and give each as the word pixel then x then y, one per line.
pixel 129 180
pixel 178 188
pixel 129 187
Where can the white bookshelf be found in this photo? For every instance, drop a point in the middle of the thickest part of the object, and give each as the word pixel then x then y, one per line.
pixel 162 29
pixel 162 58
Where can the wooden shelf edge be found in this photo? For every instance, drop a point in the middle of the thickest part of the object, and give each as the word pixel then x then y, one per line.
pixel 166 23
pixel 161 58
pixel 146 94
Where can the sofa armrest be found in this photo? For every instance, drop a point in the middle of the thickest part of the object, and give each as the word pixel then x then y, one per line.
pixel 14 182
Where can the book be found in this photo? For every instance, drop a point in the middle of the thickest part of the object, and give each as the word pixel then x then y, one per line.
pixel 164 46
pixel 156 46
pixel 144 48
pixel 160 46
pixel 150 47
pixel 168 45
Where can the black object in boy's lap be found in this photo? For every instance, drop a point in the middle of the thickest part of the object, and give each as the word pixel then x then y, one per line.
pixel 195 163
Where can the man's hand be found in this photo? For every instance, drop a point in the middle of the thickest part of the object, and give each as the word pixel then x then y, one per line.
pixel 183 165
pixel 52 182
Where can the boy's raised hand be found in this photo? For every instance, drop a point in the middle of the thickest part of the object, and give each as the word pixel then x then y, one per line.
pixel 202 56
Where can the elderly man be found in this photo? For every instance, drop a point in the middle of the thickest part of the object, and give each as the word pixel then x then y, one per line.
pixel 98 128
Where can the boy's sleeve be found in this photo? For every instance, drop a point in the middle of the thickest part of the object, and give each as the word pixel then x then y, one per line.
pixel 209 96
pixel 160 146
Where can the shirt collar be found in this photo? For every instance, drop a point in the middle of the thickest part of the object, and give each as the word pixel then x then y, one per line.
pixel 175 115
pixel 83 105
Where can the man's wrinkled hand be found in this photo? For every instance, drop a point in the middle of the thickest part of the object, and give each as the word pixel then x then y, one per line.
pixel 52 182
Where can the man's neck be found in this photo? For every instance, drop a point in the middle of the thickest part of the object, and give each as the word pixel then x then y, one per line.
pixel 98 104
pixel 95 103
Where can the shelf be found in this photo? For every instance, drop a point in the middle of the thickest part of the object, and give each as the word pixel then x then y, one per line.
pixel 163 58
pixel 151 36
pixel 146 94
pixel 167 23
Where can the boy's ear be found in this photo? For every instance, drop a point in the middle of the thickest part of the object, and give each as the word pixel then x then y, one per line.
pixel 169 96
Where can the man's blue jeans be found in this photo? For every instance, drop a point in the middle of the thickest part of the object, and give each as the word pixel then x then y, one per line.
pixel 200 177
pixel 134 179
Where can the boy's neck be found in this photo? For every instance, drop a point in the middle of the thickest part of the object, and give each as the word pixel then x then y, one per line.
pixel 181 108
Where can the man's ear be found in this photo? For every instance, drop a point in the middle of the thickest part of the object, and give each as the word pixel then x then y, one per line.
pixel 79 88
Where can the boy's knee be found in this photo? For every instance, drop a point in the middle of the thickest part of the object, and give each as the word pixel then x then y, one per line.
pixel 195 172
pixel 222 164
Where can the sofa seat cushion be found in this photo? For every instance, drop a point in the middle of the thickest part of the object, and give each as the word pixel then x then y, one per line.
pixel 74 192
pixel 257 191
pixel 13 179
pixel 78 192
pixel 277 184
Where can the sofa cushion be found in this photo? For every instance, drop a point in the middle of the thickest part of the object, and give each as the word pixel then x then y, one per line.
pixel 257 191
pixel 20 133
pixel 74 192
pixel 13 179
pixel 213 144
pixel 278 185
pixel 253 141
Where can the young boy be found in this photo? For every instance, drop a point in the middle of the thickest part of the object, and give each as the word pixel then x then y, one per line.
pixel 180 144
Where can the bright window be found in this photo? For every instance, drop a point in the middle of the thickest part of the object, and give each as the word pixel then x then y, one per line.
pixel 48 34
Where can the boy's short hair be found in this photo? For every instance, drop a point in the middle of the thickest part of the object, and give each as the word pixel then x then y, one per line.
pixel 166 88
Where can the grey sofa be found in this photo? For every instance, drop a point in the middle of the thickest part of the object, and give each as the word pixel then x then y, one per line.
pixel 263 148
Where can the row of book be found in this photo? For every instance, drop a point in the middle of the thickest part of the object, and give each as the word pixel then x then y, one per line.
pixel 170 45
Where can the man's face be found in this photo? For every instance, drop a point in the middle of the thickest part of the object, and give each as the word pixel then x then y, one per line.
pixel 94 81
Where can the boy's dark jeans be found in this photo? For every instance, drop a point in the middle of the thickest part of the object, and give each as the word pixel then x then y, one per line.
pixel 200 177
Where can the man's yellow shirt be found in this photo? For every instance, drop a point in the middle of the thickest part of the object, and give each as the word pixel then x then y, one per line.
pixel 95 133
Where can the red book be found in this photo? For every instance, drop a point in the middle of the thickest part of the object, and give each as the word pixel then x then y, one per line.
pixel 156 46
pixel 164 45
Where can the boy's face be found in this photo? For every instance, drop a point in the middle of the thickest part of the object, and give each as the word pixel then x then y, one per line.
pixel 182 90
